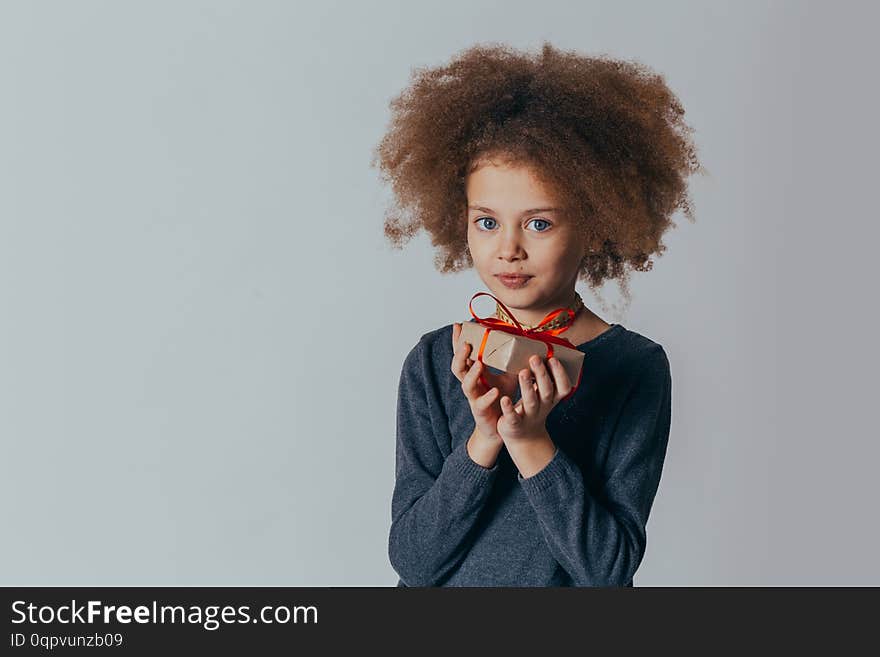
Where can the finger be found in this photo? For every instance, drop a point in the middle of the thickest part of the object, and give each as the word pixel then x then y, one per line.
pixel 471 381
pixel 463 354
pixel 456 336
pixel 529 396
pixel 458 361
pixel 484 402
pixel 512 417
pixel 543 379
pixel 560 377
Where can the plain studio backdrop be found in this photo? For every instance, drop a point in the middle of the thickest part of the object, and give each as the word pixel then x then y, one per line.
pixel 203 327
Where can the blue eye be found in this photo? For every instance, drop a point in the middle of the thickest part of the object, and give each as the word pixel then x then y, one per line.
pixel 543 221
pixel 492 226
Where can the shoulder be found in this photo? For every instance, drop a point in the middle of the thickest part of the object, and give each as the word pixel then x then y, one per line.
pixel 435 342
pixel 432 351
pixel 643 356
pixel 439 339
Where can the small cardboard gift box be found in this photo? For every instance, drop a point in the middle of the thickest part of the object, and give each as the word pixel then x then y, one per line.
pixel 510 353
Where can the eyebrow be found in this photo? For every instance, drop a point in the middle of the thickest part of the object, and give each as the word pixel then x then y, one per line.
pixel 533 210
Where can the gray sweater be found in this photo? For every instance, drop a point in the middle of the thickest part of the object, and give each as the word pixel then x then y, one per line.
pixel 580 521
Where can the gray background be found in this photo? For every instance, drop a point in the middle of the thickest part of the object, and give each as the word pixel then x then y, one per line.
pixel 202 328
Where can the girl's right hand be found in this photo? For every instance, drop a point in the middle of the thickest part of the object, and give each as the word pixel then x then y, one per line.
pixel 484 402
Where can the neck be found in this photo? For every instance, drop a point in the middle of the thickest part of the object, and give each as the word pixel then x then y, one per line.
pixel 531 316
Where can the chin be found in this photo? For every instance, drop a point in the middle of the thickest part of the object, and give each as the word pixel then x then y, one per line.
pixel 513 298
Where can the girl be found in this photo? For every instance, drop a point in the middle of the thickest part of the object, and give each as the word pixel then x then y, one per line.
pixel 537 171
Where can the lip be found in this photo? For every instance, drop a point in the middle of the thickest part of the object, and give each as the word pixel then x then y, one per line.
pixel 516 281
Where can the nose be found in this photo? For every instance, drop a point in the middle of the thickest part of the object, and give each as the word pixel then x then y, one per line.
pixel 510 245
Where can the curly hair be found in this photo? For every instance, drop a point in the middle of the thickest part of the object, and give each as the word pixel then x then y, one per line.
pixel 607 137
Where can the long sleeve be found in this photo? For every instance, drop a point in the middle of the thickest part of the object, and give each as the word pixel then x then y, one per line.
pixel 602 543
pixel 437 498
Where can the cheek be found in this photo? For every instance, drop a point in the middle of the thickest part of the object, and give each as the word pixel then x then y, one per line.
pixel 474 245
pixel 557 258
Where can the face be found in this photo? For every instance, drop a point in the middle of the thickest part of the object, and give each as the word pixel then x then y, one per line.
pixel 515 227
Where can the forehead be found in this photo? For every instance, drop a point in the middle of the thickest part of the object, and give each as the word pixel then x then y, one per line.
pixel 503 186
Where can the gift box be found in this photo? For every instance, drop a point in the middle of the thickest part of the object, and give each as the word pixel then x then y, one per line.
pixel 510 353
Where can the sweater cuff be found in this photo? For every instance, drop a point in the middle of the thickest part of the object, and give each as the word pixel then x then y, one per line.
pixel 552 473
pixel 461 462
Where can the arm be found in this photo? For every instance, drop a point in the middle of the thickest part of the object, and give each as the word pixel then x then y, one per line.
pixel 437 498
pixel 601 543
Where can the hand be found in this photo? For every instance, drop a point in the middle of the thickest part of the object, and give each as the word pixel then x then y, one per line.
pixel 483 401
pixel 528 418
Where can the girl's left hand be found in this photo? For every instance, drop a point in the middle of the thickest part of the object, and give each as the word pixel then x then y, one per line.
pixel 527 419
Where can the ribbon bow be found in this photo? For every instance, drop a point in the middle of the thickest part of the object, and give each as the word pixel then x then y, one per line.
pixel 547 336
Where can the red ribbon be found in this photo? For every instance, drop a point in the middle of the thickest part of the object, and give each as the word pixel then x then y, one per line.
pixel 547 336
